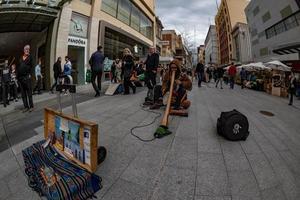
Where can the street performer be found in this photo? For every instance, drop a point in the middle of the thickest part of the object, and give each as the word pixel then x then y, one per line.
pixel 182 84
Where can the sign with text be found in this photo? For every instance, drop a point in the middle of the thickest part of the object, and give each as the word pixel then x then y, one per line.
pixel 75 41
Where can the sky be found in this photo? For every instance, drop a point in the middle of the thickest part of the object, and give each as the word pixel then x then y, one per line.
pixel 188 17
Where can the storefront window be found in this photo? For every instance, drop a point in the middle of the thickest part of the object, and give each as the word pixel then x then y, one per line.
pixel 124 9
pixel 146 27
pixel 110 7
pixel 135 18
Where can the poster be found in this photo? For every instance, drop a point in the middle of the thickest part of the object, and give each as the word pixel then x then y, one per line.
pixel 59 133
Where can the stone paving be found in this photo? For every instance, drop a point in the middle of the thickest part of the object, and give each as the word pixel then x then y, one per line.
pixel 193 163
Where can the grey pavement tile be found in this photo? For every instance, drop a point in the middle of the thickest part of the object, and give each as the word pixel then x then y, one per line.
pixel 241 197
pixel 211 175
pixel 124 190
pixel 243 183
pixel 4 191
pixel 274 193
pixel 263 171
pixel 250 146
pixel 235 158
pixel 9 166
pixel 292 161
pixel 107 183
pixel 209 143
pixel 212 198
pixel 175 184
pixel 17 183
pixel 113 166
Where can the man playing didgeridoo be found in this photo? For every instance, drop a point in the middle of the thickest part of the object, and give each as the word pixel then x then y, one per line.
pixel 182 83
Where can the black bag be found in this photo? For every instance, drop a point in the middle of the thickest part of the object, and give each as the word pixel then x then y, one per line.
pixel 233 125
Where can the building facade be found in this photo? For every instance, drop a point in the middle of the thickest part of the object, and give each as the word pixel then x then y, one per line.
pixel 169 38
pixel 230 12
pixel 274 29
pixel 75 28
pixel 211 46
pixel 158 33
pixel 242 52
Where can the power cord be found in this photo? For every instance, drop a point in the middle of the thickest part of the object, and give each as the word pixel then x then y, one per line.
pixel 158 115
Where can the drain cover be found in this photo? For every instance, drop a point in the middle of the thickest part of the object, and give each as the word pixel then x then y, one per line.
pixel 266 113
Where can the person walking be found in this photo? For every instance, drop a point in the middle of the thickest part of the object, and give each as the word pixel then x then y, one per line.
pixel 292 87
pixel 67 72
pixel 96 63
pixel 24 77
pixel 38 77
pixel 151 63
pixel 219 76
pixel 243 75
pixel 232 73
pixel 113 73
pixel 5 77
pixel 57 73
pixel 118 70
pixel 128 70
pixel 13 83
pixel 200 73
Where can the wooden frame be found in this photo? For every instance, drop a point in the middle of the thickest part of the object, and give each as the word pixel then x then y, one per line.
pixel 49 127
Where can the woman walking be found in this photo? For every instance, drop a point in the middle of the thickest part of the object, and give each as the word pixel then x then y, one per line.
pixel 128 69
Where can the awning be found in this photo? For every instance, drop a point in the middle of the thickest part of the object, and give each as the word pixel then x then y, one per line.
pixel 25 19
pixel 288 49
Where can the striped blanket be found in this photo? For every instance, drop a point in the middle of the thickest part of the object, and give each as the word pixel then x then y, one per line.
pixel 74 183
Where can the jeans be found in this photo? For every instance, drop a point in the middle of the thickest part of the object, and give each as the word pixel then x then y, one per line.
pixel 200 78
pixel 38 84
pixel 97 75
pixel 5 89
pixel 127 84
pixel 26 91
pixel 150 79
pixel 219 80
pixel 231 81
pixel 54 84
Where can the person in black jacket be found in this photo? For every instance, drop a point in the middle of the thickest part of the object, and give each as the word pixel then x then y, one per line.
pixel 200 73
pixel 96 63
pixel 57 72
pixel 292 87
pixel 151 63
pixel 128 70
pixel 5 76
pixel 24 77
pixel 220 74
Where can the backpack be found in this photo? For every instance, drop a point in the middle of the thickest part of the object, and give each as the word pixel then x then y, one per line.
pixel 233 125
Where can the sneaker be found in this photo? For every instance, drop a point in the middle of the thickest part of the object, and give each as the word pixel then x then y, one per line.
pixel 97 95
pixel 30 110
pixel 25 110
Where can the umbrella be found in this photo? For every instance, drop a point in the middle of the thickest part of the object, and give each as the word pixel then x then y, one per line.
pixel 277 65
pixel 254 66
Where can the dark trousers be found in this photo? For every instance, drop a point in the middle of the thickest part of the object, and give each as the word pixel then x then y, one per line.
pixel 97 87
pixel 26 91
pixel 243 83
pixel 5 89
pixel 38 85
pixel 200 78
pixel 179 95
pixel 13 90
pixel 150 79
pixel 231 81
pixel 219 80
pixel 292 92
pixel 113 77
pixel 127 84
pixel 54 84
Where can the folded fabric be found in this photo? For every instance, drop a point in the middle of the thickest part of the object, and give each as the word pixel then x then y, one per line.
pixel 70 182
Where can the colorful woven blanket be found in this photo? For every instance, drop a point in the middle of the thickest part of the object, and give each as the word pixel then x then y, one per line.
pixel 71 182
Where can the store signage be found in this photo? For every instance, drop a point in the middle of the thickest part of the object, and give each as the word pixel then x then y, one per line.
pixel 74 41
pixel 79 25
pixel 164 43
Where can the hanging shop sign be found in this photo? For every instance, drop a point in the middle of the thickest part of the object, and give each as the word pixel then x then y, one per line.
pixel 79 25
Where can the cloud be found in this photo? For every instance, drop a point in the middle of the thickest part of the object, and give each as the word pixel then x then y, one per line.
pixel 188 17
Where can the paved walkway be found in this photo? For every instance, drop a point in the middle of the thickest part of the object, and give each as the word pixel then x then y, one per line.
pixel 191 164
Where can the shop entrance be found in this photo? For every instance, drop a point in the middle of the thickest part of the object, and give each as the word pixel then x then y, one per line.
pixel 77 57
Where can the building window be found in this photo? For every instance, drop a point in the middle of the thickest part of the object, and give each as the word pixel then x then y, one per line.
pixel 287 11
pixel 266 17
pixel 280 28
pixel 253 32
pixel 135 18
pixel 291 22
pixel 146 27
pixel 255 11
pixel 110 7
pixel 124 10
pixel 270 32
pixel 264 51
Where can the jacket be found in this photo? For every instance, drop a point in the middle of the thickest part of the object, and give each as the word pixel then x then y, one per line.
pixel 57 69
pixel 232 71
pixel 128 66
pixel 25 67
pixel 200 68
pixel 152 62
pixel 68 68
pixel 96 61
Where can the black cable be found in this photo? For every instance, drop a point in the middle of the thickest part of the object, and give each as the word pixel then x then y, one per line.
pixel 158 115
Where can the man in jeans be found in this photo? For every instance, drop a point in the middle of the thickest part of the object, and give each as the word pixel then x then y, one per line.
pixel 151 63
pixel 200 73
pixel 24 77
pixel 232 73
pixel 96 63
